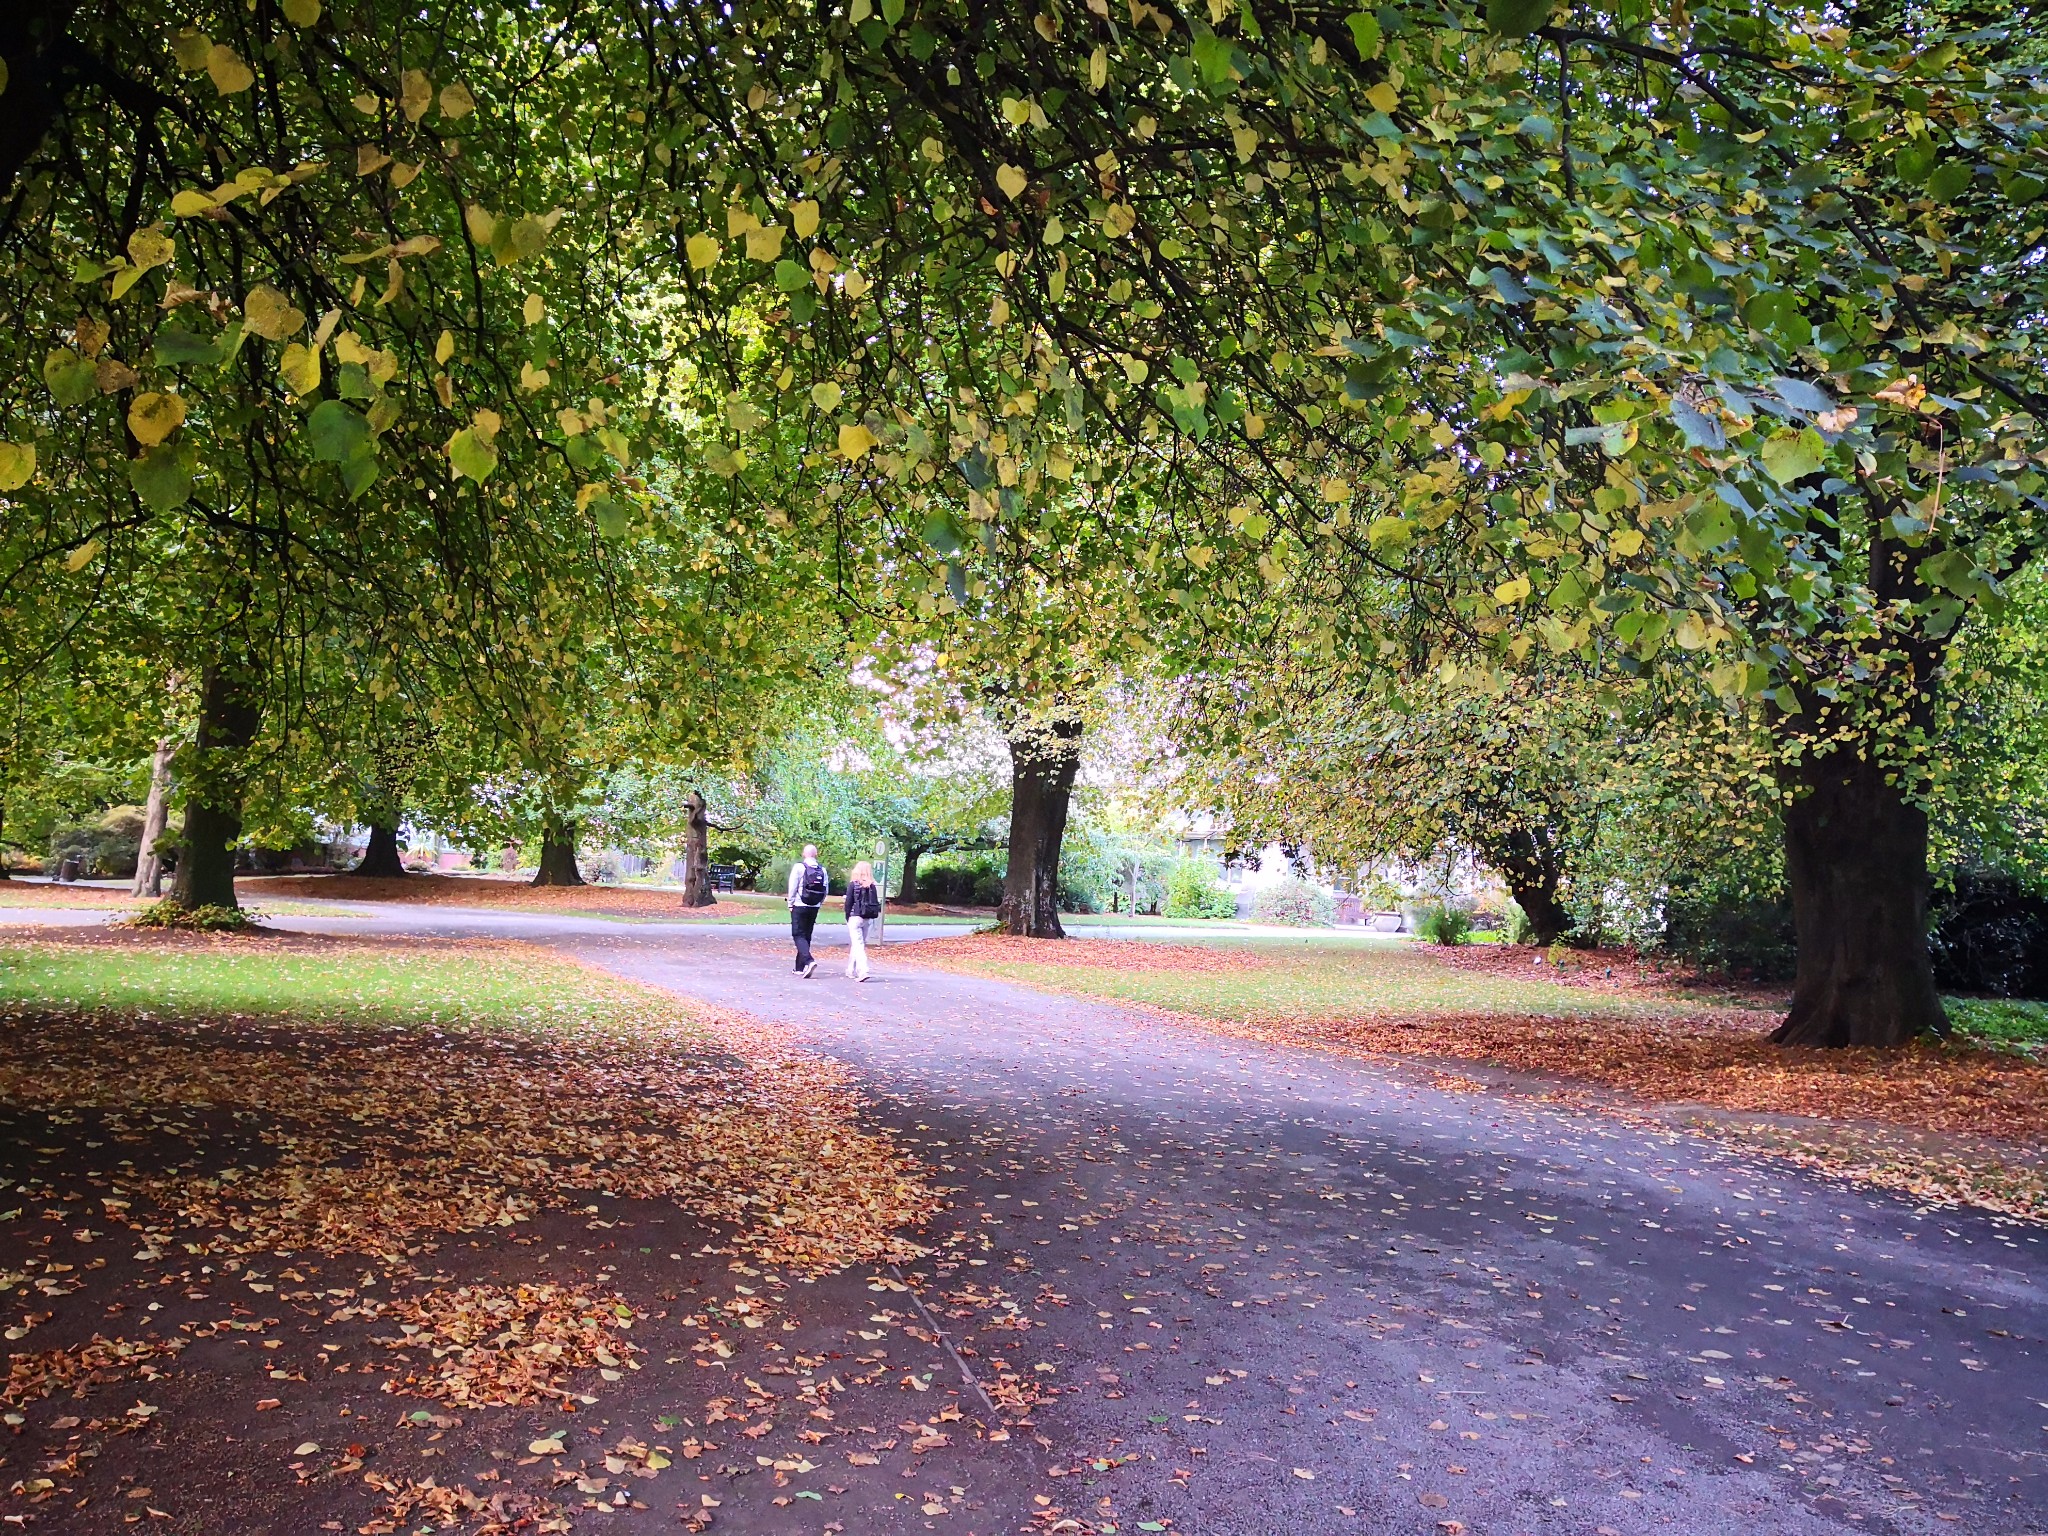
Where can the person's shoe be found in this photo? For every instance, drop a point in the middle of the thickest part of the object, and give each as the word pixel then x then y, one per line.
pixel 860 978
pixel 810 968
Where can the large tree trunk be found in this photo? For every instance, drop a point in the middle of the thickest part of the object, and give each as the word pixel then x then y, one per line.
pixel 228 717
pixel 906 888
pixel 380 858
pixel 697 891
pixel 149 868
pixel 557 854
pixel 1043 762
pixel 1856 861
pixel 42 65
pixel 1527 860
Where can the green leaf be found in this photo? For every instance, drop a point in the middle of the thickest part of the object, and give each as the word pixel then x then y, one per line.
pixel 1789 454
pixel 1949 180
pixel 1700 429
pixel 337 432
pixel 941 533
pixel 1212 59
pixel 360 473
pixel 163 476
pixel 613 520
pixel 470 455
pixel 177 348
pixel 789 276
pixel 70 378
pixel 1516 18
pixel 1365 34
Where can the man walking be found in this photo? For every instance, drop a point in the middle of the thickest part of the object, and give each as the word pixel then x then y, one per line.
pixel 809 885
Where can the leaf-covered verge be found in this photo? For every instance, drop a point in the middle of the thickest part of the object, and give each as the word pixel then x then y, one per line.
pixel 1655 1046
pixel 373 1159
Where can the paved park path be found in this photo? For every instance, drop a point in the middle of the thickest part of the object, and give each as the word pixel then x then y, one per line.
pixel 1287 1292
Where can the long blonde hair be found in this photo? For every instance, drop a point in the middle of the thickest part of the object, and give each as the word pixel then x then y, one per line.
pixel 862 872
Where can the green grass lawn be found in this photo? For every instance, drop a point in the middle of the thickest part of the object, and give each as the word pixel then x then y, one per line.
pixel 1367 975
pixel 1325 978
pixel 484 988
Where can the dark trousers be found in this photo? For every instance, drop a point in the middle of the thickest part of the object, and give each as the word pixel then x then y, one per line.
pixel 803 921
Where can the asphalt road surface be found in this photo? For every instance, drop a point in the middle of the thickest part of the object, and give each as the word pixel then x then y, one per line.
pixel 1278 1291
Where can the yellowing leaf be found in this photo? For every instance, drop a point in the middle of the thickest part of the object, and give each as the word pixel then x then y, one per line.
pixel 548 1445
pixel 1098 69
pixel 1012 180
pixel 534 310
pixel 370 159
pixel 1384 97
pixel 571 421
pixel 1246 142
pixel 188 204
pixel 444 348
pixel 17 465
pixel 150 247
pixel 826 395
pixel 191 49
pixel 855 440
pixel 532 379
pixel 299 367
pixel 481 223
pixel 487 423
pixel 456 102
pixel 764 242
pixel 739 221
pixel 415 94
pixel 1016 112
pixel 301 13
pixel 229 74
pixel 365 104
pixel 803 218
pixel 81 557
pixel 1118 220
pixel 270 314
pixel 154 417
pixel 853 283
pixel 1508 593
pixel 403 175
pixel 703 251
pixel 1790 454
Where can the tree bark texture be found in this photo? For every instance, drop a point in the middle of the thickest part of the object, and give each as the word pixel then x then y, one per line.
pixel 380 860
pixel 228 718
pixel 1856 862
pixel 558 854
pixel 1043 763
pixel 906 888
pixel 156 813
pixel 1527 858
pixel 43 63
pixel 697 891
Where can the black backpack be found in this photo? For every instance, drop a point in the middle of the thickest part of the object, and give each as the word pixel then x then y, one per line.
pixel 812 890
pixel 869 902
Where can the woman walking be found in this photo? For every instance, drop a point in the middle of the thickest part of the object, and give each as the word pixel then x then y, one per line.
pixel 863 906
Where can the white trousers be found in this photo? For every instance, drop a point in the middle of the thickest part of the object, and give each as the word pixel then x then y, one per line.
pixel 857 947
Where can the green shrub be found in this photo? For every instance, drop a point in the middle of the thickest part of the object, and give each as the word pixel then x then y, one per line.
pixel 107 849
pixel 1295 903
pixel 172 914
pixel 1514 924
pixel 1194 891
pixel 1440 924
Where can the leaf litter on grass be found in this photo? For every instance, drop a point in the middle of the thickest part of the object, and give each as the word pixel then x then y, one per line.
pixel 380 1116
pixel 1632 1033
